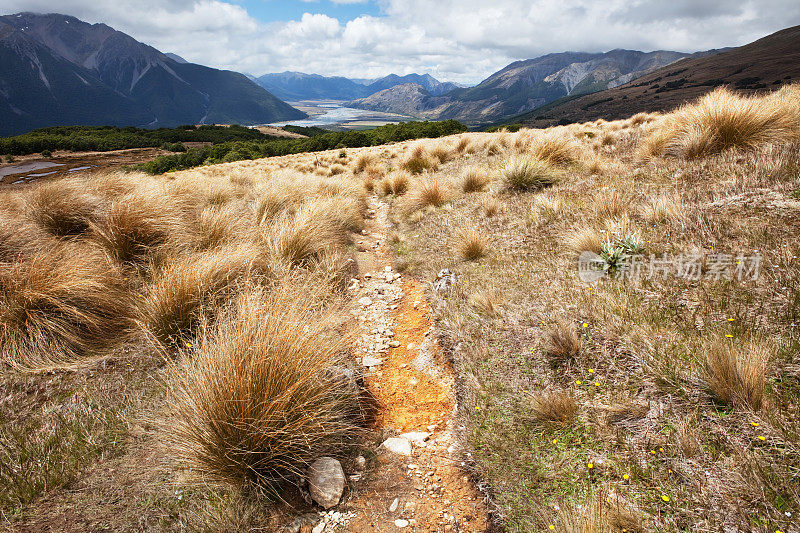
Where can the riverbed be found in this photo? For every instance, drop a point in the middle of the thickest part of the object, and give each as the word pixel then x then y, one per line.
pixel 333 115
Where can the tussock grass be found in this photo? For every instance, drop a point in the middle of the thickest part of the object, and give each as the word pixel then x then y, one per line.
pixel 262 394
pixel 61 307
pixel 546 208
pixel 427 192
pixel 722 120
pixel 217 226
pixel 417 164
pixel 584 239
pixel 441 152
pixel 362 162
pixel 556 149
pixel 490 205
pixel 554 406
pixel 609 204
pixel 527 174
pixel 664 208
pixel 488 302
pixel 138 223
pixel 474 179
pixel 396 183
pixel 65 208
pixel 19 237
pixel 189 285
pixel 563 344
pixel 470 243
pixel 736 375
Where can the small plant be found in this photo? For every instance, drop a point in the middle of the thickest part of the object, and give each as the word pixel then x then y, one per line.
pixel 471 244
pixel 419 164
pixel 474 179
pixel 736 375
pixel 46 153
pixel 615 252
pixel 563 344
pixel 342 154
pixel 488 302
pixel 555 406
pixel 526 173
pixel 428 192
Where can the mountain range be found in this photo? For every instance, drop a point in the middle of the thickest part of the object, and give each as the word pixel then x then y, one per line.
pixel 756 67
pixel 297 86
pixel 59 70
pixel 521 86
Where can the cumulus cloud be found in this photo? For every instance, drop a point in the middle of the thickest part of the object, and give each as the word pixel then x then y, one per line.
pixel 458 40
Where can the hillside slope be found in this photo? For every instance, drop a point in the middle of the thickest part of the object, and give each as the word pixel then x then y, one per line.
pixel 58 70
pixel 758 66
pixel 526 85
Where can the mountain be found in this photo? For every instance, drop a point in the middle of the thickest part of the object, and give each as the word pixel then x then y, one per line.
pixel 296 86
pixel 175 57
pixel 526 85
pixel 759 66
pixel 428 82
pixel 58 70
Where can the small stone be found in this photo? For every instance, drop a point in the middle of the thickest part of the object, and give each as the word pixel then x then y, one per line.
pixel 326 481
pixel 370 360
pixel 416 436
pixel 401 523
pixel 319 528
pixel 361 462
pixel 355 478
pixel 398 445
pixel 387 269
pixel 394 344
pixel 364 301
pixel 393 506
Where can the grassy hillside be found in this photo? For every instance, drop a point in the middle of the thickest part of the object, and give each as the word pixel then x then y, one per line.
pixel 177 349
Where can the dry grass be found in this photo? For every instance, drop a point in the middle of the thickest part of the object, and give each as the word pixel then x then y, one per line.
pixel 610 203
pixel 65 208
pixel 470 243
pixel 428 192
pixel 61 307
pixel 362 162
pixel 585 239
pixel 262 394
pixel 554 406
pixel 528 174
pixel 736 375
pixel 554 148
pixel 441 152
pixel 396 183
pixel 474 179
pixel 546 208
pixel 488 302
pixel 417 164
pixel 722 120
pixel 187 286
pixel 665 208
pixel 563 343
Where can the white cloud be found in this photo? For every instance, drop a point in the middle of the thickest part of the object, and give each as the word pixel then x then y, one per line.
pixel 458 40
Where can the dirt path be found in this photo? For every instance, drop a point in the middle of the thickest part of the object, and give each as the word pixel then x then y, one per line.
pixel 426 489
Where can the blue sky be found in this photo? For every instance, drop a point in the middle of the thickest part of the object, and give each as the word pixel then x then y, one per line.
pixel 453 40
pixel 286 10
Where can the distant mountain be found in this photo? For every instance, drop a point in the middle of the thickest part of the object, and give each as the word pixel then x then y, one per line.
pixel 175 57
pixel 759 66
pixel 428 82
pixel 58 70
pixel 296 86
pixel 524 85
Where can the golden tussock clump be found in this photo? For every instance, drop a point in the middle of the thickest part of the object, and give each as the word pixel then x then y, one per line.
pixel 490 205
pixel 474 179
pixel 554 406
pixel 362 162
pixel 223 225
pixel 664 208
pixel 585 239
pixel 396 183
pixel 441 152
pixel 65 208
pixel 556 149
pixel 562 344
pixel 610 203
pixel 528 174
pixel 419 161
pixel 140 222
pixel 488 302
pixel 428 192
pixel 723 120
pixel 263 392
pixel 61 307
pixel 736 375
pixel 190 284
pixel 470 243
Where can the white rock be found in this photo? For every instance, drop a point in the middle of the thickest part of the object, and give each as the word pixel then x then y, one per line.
pixel 364 301
pixel 326 481
pixel 398 445
pixel 416 436
pixel 361 462
pixel 394 344
pixel 319 528
pixel 401 523
pixel 370 360
pixel 393 506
